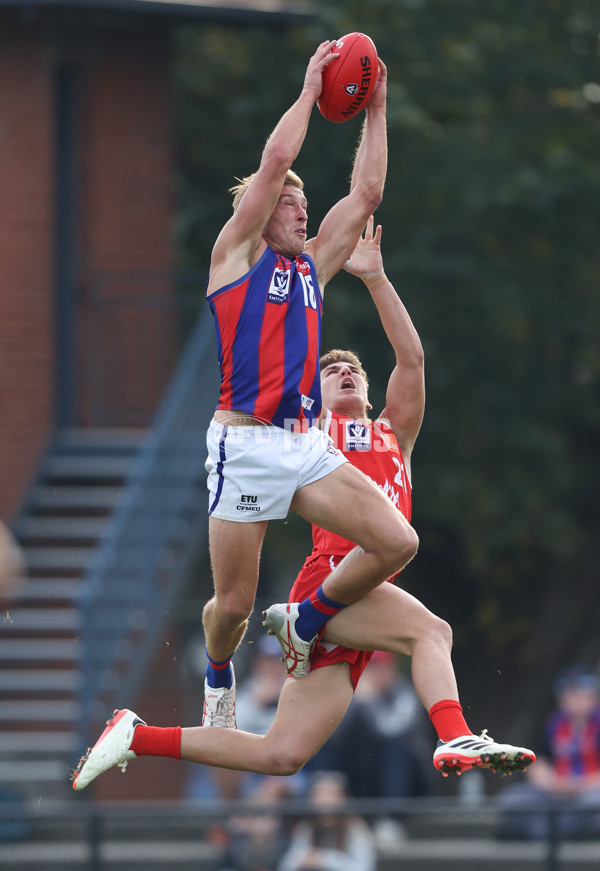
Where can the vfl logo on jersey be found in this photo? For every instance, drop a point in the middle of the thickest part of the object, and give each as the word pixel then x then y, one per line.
pixel 351 89
pixel 279 287
pixel 307 402
pixel 357 436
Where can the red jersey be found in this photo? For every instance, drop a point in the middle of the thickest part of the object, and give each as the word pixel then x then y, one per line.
pixel 373 448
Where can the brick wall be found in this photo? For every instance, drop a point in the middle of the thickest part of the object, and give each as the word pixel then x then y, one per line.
pixel 127 190
pixel 125 203
pixel 26 328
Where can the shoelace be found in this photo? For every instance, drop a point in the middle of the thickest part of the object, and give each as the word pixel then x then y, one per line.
pixel 221 713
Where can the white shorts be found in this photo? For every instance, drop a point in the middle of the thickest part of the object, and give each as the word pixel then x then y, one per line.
pixel 254 471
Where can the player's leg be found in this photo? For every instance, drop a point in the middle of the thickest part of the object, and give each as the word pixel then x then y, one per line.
pixel 347 503
pixel 308 713
pixel 252 477
pixel 389 618
pixel 234 555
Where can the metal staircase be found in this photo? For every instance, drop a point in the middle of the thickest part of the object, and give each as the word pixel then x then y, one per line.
pixel 110 531
pixel 77 490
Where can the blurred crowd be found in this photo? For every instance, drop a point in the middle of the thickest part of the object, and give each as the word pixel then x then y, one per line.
pixel 561 792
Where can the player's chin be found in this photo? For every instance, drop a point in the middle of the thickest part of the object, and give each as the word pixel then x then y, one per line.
pixel 299 245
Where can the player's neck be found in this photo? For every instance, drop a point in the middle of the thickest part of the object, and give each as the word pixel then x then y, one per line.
pixel 356 412
pixel 278 249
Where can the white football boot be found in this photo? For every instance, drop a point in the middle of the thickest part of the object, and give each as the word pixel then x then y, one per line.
pixel 280 621
pixel 471 751
pixel 219 705
pixel 111 748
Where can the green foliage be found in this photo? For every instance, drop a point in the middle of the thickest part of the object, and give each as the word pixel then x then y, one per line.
pixel 490 220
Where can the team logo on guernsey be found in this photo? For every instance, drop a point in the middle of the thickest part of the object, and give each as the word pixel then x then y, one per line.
pixel 279 287
pixel 303 266
pixel 358 436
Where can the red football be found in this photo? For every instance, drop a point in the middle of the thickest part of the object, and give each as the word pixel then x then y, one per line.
pixel 349 80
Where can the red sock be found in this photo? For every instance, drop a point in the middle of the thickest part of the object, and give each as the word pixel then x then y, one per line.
pixel 157 741
pixel 447 718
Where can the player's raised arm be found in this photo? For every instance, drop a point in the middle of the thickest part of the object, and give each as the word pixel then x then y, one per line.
pixel 341 228
pixel 240 238
pixel 405 394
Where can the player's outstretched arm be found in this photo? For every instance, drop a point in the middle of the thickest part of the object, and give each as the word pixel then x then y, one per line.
pixel 244 228
pixel 342 226
pixel 405 394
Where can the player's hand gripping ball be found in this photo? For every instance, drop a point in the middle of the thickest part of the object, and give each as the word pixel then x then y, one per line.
pixel 349 80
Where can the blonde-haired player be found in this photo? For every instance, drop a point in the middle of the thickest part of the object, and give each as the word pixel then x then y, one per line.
pixel 387 618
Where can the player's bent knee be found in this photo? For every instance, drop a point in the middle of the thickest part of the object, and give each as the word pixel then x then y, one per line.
pixel 291 760
pixel 446 633
pixel 285 765
pixel 440 632
pixel 401 549
pixel 411 544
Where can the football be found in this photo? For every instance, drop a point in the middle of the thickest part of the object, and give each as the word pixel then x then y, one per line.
pixel 349 80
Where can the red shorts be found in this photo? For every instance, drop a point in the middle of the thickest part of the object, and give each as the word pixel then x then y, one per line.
pixel 312 574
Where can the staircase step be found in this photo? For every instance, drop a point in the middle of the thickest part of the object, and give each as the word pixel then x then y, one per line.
pixel 47 620
pixel 63 499
pixel 85 468
pixel 39 681
pixel 30 770
pixel 80 483
pixel 42 743
pixel 72 530
pixel 46 590
pixel 50 650
pixel 57 558
pixel 58 711
pixel 120 437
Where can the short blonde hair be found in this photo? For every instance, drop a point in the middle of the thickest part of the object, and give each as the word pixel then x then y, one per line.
pixel 238 190
pixel 338 356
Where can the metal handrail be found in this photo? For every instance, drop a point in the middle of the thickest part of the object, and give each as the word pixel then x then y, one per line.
pixel 149 542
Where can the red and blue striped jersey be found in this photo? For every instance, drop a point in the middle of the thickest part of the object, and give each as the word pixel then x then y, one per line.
pixel 573 747
pixel 268 326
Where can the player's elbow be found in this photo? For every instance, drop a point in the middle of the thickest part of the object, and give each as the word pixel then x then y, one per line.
pixel 372 197
pixel 416 359
pixel 278 157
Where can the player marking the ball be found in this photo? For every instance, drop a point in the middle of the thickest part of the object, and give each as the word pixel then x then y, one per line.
pixel 265 453
pixel 388 618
